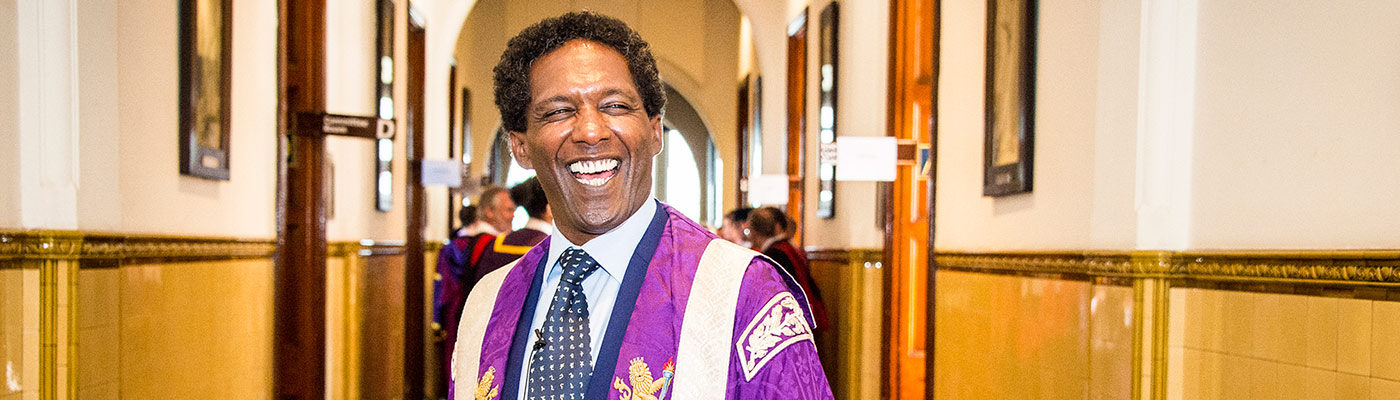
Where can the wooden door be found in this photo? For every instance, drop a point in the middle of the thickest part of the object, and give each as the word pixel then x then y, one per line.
pixel 415 300
pixel 382 361
pixel 912 79
pixel 796 119
pixel 299 286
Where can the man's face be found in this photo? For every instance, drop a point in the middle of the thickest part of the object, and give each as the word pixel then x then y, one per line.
pixel 588 138
pixel 500 213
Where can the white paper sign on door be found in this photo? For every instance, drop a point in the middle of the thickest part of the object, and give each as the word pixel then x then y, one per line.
pixel 860 158
pixel 768 190
pixel 442 173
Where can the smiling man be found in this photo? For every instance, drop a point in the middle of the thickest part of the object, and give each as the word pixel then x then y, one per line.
pixel 628 299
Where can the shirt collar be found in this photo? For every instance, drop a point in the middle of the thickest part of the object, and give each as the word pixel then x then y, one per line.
pixel 613 250
pixel 539 225
pixel 483 227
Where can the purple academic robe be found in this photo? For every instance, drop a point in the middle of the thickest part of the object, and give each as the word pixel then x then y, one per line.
pixel 771 354
pixel 507 248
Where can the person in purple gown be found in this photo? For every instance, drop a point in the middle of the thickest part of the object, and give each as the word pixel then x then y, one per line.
pixel 628 299
pixel 509 247
pixel 771 232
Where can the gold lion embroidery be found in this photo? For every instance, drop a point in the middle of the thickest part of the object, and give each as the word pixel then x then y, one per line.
pixel 780 324
pixel 643 387
pixel 484 389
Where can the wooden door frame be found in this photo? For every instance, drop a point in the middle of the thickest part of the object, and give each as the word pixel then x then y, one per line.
pixel 453 148
pixel 415 212
pixel 299 279
pixel 932 205
pixel 896 103
pixel 797 121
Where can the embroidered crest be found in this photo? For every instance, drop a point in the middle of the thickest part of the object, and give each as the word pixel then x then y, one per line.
pixel 643 387
pixel 484 389
pixel 779 324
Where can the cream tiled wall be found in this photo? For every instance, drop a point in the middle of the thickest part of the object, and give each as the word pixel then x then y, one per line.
pixel 99 333
pixel 1008 337
pixel 19 334
pixel 175 330
pixel 1239 345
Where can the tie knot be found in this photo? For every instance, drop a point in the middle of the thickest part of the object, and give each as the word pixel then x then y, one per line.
pixel 577 265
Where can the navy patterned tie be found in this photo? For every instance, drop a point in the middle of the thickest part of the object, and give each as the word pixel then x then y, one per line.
pixel 562 364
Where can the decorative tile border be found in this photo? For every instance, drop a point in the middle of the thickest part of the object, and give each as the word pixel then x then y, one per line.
pixel 1344 267
pixel 45 245
pixel 107 249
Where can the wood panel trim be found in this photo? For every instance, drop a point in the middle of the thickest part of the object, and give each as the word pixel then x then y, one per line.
pixel 796 42
pixel 96 250
pixel 843 255
pixel 416 213
pixel 299 286
pixel 367 247
pixel 1232 269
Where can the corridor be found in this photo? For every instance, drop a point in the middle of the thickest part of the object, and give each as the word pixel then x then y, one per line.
pixel 992 199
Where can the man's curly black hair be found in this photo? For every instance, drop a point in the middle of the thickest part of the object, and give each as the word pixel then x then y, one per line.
pixel 513 72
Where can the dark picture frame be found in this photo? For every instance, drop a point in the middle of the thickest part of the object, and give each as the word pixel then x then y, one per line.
pixel 753 162
pixel 385 72
pixel 464 160
pixel 1010 97
pixel 827 73
pixel 466 147
pixel 206 58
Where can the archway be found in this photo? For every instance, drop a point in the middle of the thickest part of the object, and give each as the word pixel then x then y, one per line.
pixel 688 170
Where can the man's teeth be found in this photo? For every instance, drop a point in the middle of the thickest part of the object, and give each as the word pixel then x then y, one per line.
pixel 592 166
pixel 594 181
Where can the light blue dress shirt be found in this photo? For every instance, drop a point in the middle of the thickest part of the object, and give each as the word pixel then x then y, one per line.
pixel 613 250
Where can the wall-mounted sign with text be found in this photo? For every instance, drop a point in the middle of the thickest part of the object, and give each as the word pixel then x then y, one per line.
pixel 345 125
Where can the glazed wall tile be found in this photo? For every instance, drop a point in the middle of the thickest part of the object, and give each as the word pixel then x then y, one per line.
pixel 1385 340
pixel 1354 337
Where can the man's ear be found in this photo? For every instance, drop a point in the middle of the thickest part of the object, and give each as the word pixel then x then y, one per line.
pixel 657 131
pixel 517 149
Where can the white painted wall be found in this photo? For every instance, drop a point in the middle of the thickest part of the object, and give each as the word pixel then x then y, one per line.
pixel 153 197
pixel 97 87
pixel 93 89
pixel 1185 125
pixel 47 121
pixel 1083 129
pixel 351 76
pixel 1297 129
pixel 861 104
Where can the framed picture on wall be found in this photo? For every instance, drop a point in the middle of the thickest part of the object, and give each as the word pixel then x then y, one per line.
pixel 205 57
pixel 1010 97
pixel 384 103
pixel 826 121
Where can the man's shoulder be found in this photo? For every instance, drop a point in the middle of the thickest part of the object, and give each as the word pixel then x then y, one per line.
pixel 682 227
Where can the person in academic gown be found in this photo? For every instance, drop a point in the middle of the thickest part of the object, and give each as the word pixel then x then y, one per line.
pixel 509 247
pixel 771 232
pixel 629 299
